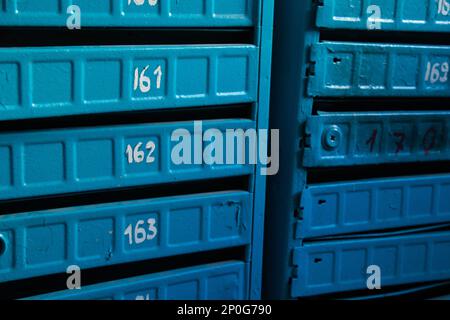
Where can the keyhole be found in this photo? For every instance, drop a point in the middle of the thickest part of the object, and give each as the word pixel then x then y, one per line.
pixel 337 60
pixel 2 245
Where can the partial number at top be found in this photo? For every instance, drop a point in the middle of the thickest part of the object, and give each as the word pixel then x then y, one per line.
pixel 388 15
pixel 128 13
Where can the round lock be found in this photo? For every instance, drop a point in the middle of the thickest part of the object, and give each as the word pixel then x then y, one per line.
pixel 2 245
pixel 331 137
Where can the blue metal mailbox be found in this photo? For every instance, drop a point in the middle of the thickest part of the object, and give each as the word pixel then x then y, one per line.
pixel 73 160
pixel 219 281
pixel 130 13
pixel 336 266
pixel 58 81
pixel 373 205
pixel 47 160
pixel 383 70
pixel 364 158
pixel 386 15
pixel 47 242
pixel 342 139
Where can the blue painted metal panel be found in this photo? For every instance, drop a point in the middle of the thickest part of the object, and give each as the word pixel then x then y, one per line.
pixel 130 13
pixel 388 15
pixel 383 70
pixel 335 266
pixel 49 162
pixel 58 81
pixel 47 242
pixel 265 66
pixel 219 281
pixel 377 204
pixel 343 139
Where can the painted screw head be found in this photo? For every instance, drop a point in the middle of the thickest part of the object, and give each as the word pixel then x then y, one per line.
pixel 331 137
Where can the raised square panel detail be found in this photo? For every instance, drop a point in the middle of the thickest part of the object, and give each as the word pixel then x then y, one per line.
pixel 52 83
pixel 45 6
pixel 386 259
pixel 96 238
pixel 95 159
pixel 405 72
pixel 411 11
pixel 188 290
pixel 193 77
pixel 390 204
pixel 414 259
pixel 44 163
pixel 185 226
pixel 347 8
pixel 103 81
pixel 231 7
pixel 46 244
pixel 9 85
pixel 356 270
pixel 223 287
pixel 5 167
pixel 441 261
pixel 232 75
pixel 340 73
pixel 95 6
pixel 188 7
pixel 421 200
pixel 325 208
pixel 321 268
pixel 368 79
pixel 358 207
pixel 444 203
pixel 227 220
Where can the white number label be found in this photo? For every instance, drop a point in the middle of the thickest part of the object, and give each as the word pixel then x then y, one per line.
pixel 143 82
pixel 142 231
pixel 143 297
pixel 437 72
pixel 444 7
pixel 137 155
pixel 152 3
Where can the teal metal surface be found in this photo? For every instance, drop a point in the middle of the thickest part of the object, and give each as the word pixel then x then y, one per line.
pixel 130 13
pixel 219 281
pixel 337 266
pixel 36 162
pixel 387 15
pixel 352 108
pixel 58 161
pixel 379 70
pixel 345 139
pixel 46 242
pixel 373 205
pixel 59 81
